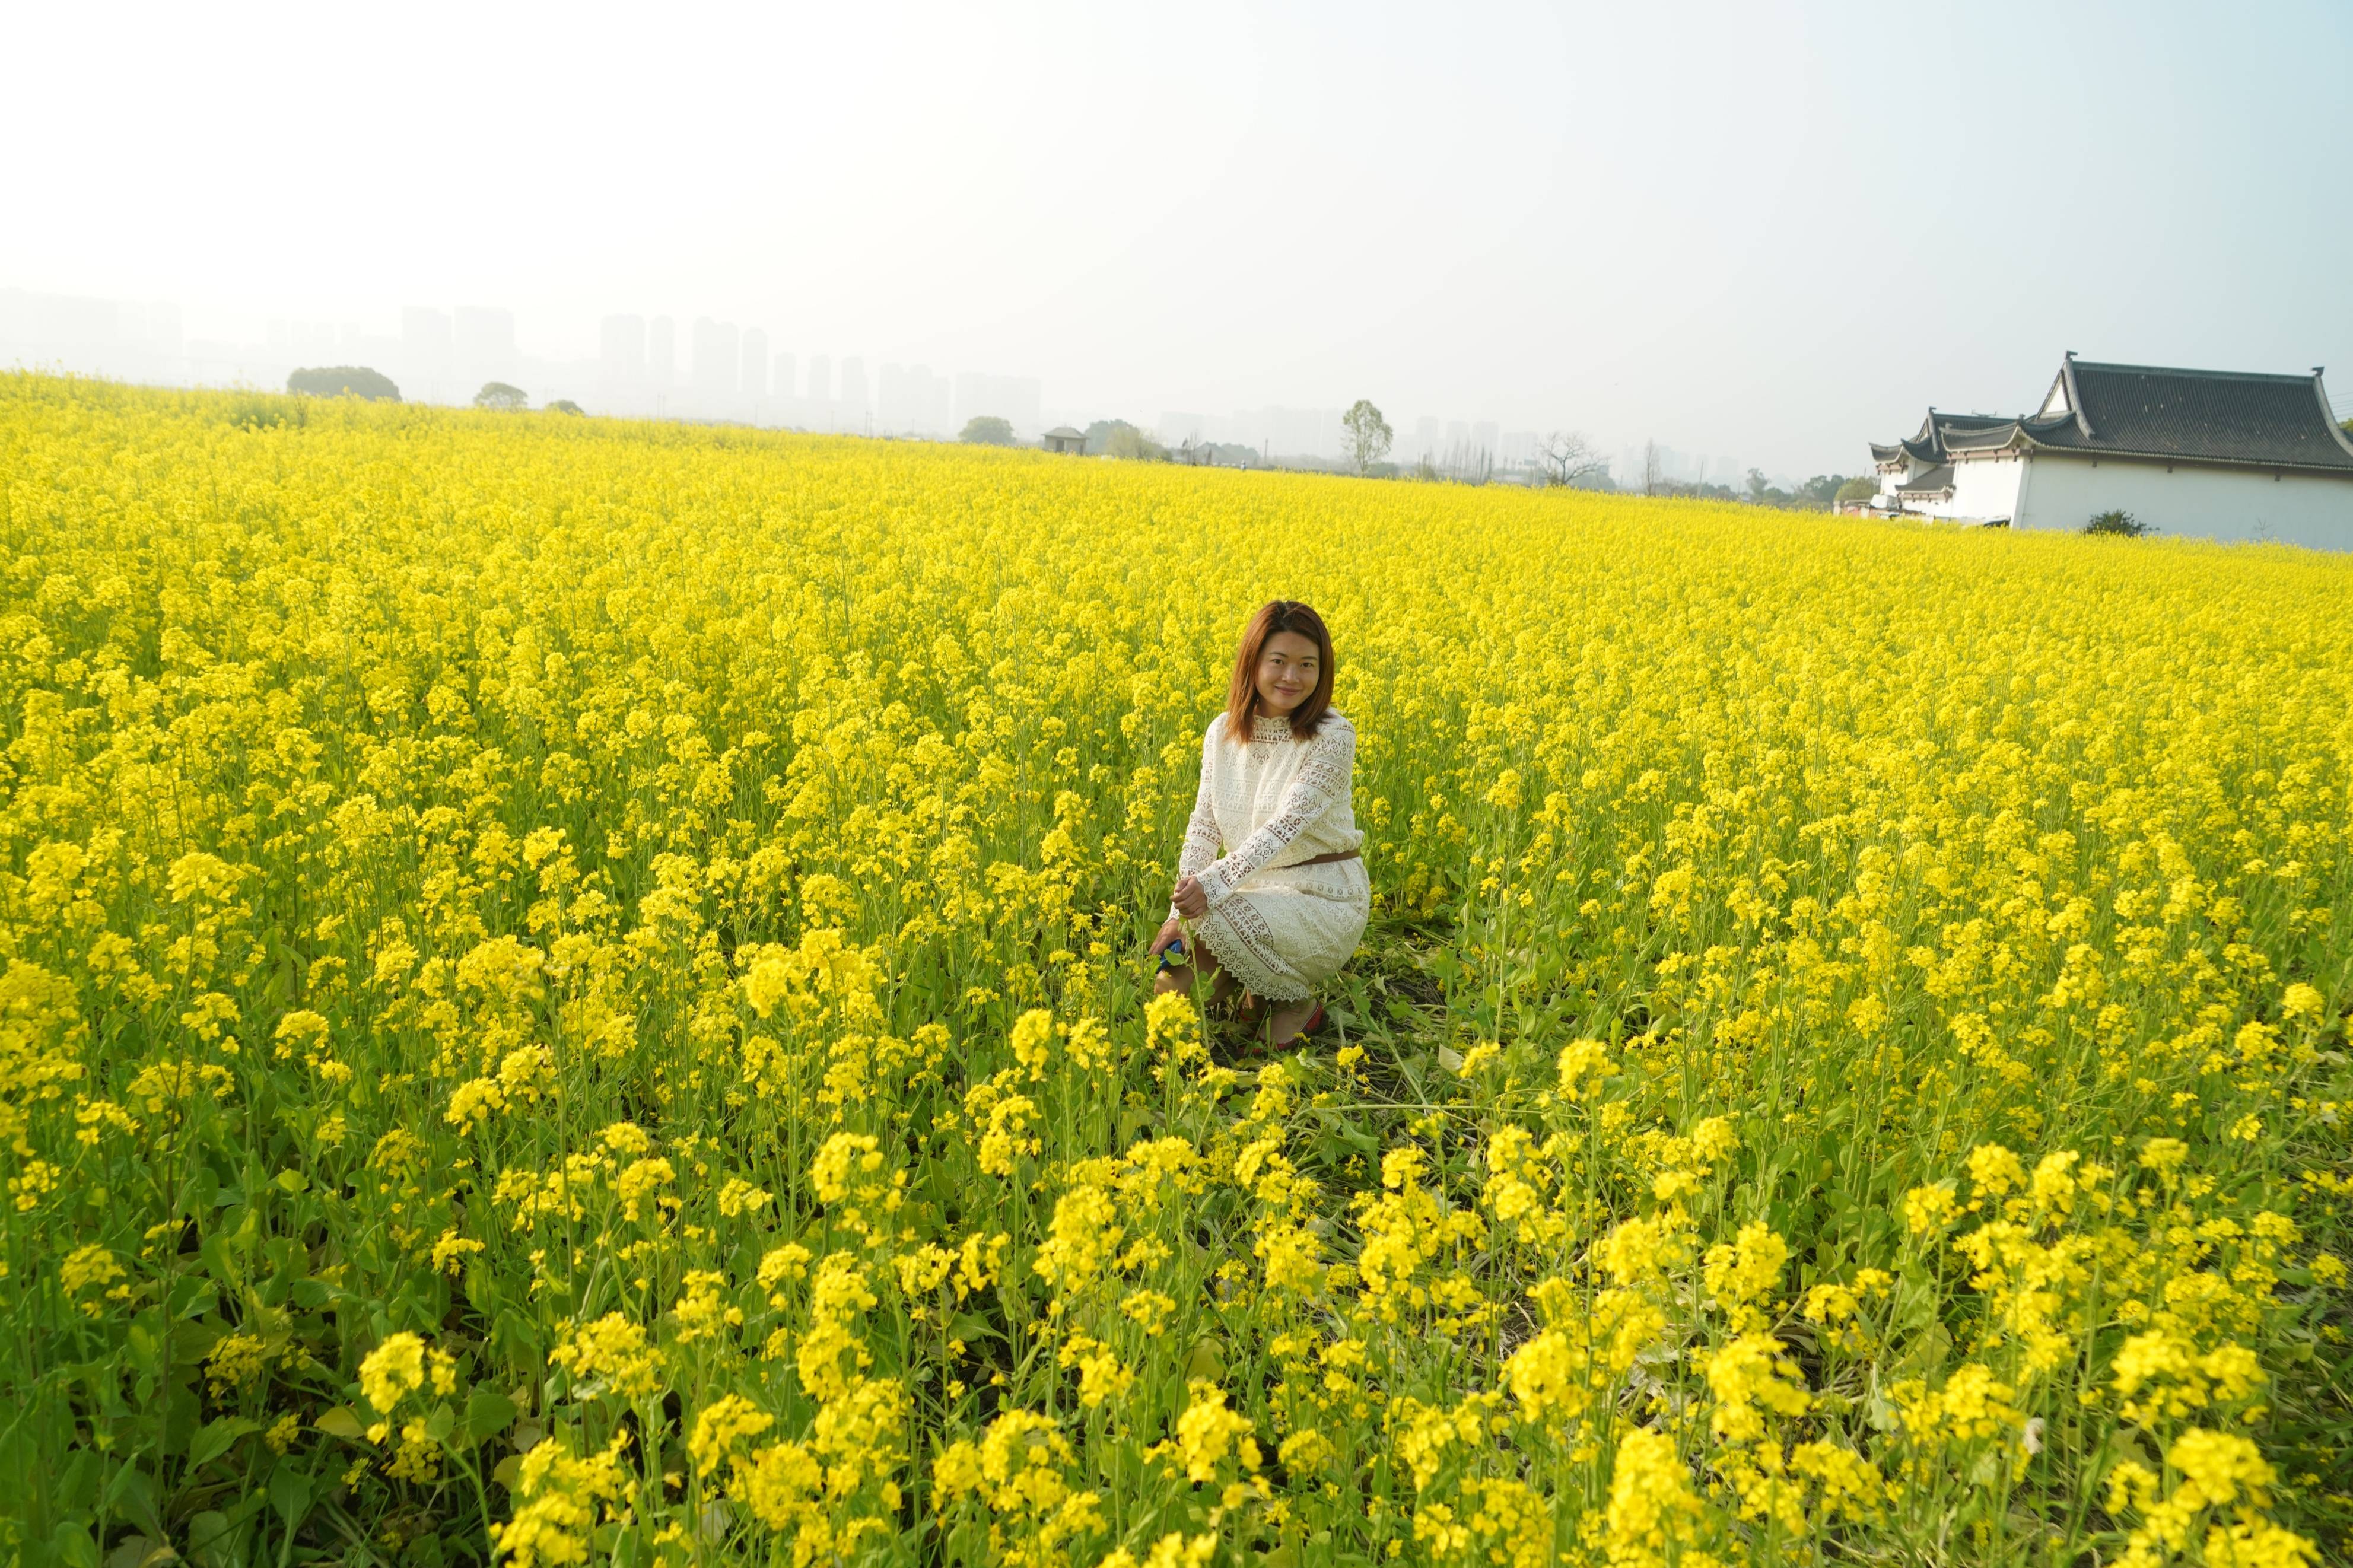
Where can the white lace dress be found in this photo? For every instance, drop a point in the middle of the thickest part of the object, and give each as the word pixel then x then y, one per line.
pixel 1281 927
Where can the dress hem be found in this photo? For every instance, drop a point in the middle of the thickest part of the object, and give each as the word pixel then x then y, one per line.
pixel 1234 955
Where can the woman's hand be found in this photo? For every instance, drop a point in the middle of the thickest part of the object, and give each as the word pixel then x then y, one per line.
pixel 1168 933
pixel 1192 900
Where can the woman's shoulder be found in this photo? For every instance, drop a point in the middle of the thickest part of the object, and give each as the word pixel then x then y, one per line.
pixel 1216 728
pixel 1335 721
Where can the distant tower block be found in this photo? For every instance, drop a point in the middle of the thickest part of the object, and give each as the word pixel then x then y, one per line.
pixel 854 403
pixel 717 371
pixel 785 381
pixel 820 386
pixel 756 362
pixel 623 349
pixel 661 352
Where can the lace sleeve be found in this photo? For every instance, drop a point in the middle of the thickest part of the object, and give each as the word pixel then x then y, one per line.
pixel 1202 839
pixel 1324 779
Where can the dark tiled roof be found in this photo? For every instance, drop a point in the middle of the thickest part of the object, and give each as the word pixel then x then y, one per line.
pixel 1992 438
pixel 1937 432
pixel 1939 478
pixel 2202 415
pixel 2146 411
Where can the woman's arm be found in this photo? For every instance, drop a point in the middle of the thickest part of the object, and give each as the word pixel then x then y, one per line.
pixel 1202 839
pixel 1323 781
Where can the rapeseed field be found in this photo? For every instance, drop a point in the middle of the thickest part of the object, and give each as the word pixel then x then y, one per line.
pixel 573 992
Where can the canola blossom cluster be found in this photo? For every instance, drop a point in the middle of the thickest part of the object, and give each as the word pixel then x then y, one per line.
pixel 572 992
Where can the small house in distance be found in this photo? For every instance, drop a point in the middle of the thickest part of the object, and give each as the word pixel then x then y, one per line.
pixel 1063 438
pixel 2197 454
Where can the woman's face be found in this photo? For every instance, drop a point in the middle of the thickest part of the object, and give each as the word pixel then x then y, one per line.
pixel 1288 669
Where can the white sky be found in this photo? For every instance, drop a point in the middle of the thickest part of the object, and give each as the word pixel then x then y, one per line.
pixel 1769 229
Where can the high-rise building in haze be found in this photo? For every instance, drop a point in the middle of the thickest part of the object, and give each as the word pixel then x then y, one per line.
pixel 485 341
pixel 782 386
pixel 1012 398
pixel 820 386
pixel 1289 432
pixel 661 352
pixel 716 369
pixel 853 394
pixel 1487 437
pixel 756 363
pixel 1425 439
pixel 911 401
pixel 424 333
pixel 622 350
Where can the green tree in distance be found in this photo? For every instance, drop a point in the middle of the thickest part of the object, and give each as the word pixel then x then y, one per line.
pixel 988 430
pixel 1822 491
pixel 499 394
pixel 566 406
pixel 1368 435
pixel 344 381
pixel 1126 441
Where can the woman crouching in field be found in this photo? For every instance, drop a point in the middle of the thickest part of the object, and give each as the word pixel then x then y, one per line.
pixel 1283 909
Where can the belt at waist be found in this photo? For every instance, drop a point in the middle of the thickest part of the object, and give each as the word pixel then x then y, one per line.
pixel 1326 859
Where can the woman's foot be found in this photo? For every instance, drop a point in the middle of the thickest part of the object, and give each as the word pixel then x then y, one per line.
pixel 1294 1021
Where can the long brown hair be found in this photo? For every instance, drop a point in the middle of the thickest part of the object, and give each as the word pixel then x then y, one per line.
pixel 1241 697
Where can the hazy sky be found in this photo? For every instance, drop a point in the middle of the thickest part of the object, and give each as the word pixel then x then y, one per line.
pixel 1773 230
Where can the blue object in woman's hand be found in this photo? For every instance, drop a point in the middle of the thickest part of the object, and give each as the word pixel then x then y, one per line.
pixel 1177 947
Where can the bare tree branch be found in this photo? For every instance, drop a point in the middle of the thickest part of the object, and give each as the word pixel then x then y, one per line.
pixel 1566 457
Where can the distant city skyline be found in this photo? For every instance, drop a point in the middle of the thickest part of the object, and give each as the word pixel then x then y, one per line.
pixel 730 372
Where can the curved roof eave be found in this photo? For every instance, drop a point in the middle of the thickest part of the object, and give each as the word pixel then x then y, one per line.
pixel 2327 413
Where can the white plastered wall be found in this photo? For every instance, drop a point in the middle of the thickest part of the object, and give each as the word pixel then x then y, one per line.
pixel 2190 502
pixel 1984 490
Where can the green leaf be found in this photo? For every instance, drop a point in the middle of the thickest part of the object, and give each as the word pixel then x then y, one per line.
pixel 971 1328
pixel 217 1438
pixel 441 1423
pixel 220 1262
pixel 340 1422
pixel 70 1545
pixel 143 1343
pixel 1205 1358
pixel 289 1494
pixel 212 1540
pixel 292 1181
pixel 488 1413
pixel 507 1471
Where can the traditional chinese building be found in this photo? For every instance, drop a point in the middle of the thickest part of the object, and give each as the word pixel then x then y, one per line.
pixel 2190 453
